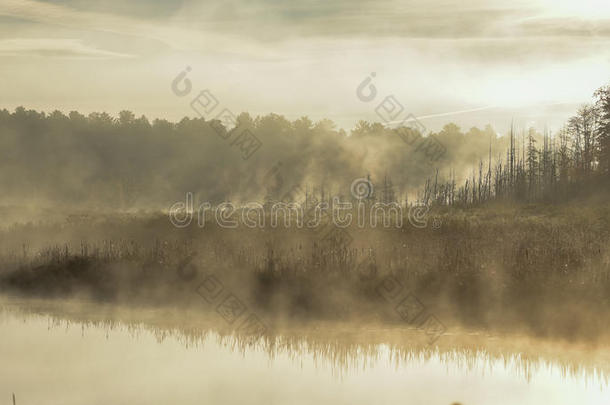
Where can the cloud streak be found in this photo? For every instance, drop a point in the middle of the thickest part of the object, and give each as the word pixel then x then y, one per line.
pixel 58 48
pixel 64 16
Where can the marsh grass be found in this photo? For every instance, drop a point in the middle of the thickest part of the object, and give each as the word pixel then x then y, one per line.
pixel 543 274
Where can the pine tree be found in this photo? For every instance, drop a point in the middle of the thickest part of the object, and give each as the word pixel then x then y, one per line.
pixel 532 163
pixel 603 130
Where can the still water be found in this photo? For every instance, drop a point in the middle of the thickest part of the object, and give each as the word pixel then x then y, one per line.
pixel 45 360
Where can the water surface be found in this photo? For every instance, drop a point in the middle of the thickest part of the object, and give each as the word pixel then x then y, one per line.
pixel 48 359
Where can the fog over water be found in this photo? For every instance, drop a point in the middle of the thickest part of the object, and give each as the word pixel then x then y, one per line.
pixel 55 359
pixel 305 202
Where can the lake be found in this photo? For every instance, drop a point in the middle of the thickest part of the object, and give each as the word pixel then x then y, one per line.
pixel 55 355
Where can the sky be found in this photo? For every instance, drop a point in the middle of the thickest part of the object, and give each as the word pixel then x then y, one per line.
pixel 471 62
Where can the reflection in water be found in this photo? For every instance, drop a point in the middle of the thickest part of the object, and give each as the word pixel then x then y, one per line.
pixel 74 353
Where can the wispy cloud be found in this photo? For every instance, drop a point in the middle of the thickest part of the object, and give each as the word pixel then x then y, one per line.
pixel 260 27
pixel 60 48
pixel 60 15
pixel 306 57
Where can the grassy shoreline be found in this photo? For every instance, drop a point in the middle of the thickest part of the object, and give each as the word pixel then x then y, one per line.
pixel 542 274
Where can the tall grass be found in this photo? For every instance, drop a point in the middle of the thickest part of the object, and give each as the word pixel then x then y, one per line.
pixel 545 274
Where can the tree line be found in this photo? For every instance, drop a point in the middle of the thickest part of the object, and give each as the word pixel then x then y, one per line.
pixel 538 167
pixel 126 162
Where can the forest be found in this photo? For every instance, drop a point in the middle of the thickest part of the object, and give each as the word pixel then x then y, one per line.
pixel 99 162
pixel 508 236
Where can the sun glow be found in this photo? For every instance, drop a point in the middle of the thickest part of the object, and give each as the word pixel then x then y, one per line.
pixel 586 9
